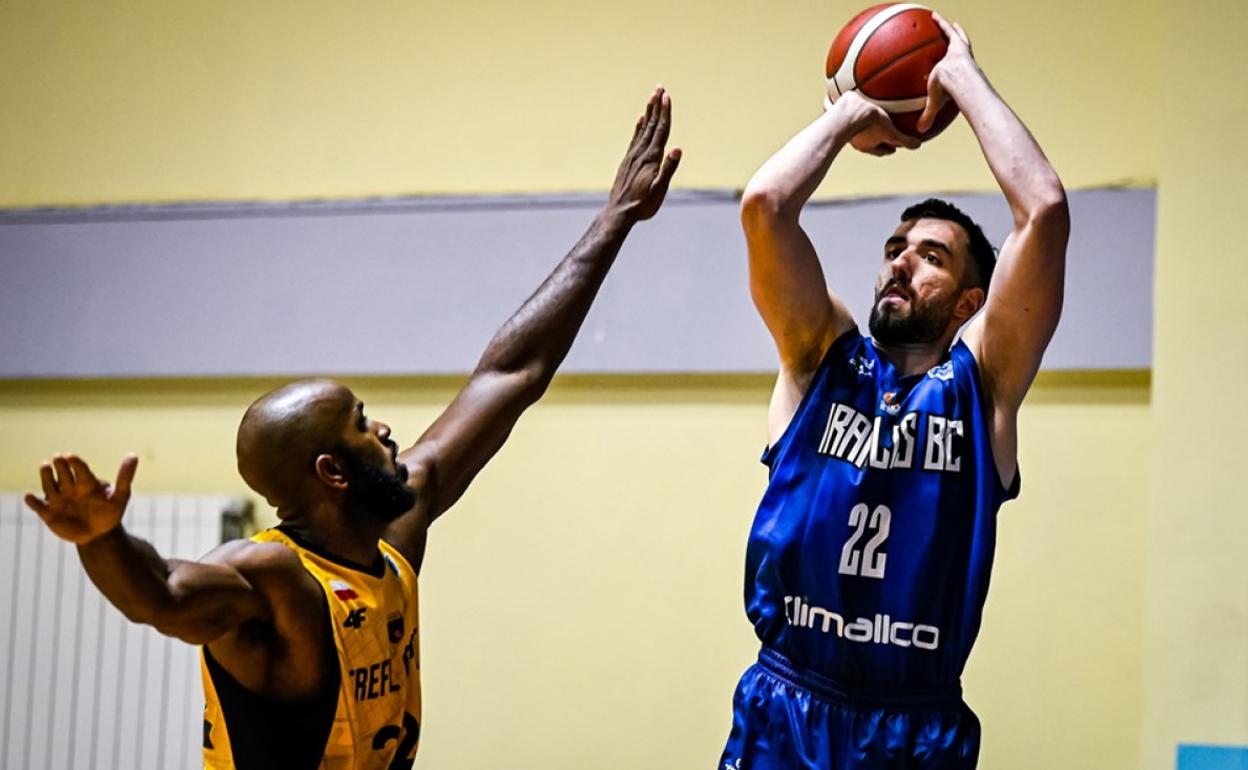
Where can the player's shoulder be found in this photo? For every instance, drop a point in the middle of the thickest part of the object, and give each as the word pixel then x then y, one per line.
pixel 259 559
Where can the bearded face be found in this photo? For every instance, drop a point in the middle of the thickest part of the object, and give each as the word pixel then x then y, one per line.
pixel 375 492
pixel 900 316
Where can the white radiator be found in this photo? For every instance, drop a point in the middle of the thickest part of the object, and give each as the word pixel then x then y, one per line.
pixel 81 688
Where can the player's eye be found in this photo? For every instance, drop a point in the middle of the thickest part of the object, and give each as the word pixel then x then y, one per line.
pixel 935 260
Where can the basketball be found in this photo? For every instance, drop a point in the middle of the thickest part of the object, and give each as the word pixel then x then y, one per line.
pixel 886 53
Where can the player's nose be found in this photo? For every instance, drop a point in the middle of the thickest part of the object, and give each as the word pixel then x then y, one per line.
pixel 899 266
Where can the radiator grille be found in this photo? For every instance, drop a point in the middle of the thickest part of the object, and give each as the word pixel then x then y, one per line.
pixel 82 688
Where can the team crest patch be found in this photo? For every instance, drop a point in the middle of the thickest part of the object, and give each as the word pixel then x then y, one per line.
pixel 394 627
pixel 889 403
pixel 944 372
pixel 862 366
pixel 343 590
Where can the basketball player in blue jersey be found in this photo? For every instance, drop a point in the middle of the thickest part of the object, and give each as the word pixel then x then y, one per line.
pixel 868 561
pixel 309 630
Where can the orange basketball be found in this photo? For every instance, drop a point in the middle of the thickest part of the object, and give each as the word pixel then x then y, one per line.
pixel 886 53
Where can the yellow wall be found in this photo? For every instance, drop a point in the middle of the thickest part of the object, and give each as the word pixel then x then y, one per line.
pixel 581 607
pixel 141 100
pixel 1196 651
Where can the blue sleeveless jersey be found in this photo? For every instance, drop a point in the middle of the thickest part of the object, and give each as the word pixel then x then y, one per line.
pixel 869 556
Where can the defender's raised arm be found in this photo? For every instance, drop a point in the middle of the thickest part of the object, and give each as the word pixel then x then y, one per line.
pixel 521 359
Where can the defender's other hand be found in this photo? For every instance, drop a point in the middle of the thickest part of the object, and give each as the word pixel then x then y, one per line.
pixel 644 175
pixel 874 132
pixel 958 58
pixel 76 505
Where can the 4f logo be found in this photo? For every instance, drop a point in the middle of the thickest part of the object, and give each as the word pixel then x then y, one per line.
pixel 355 618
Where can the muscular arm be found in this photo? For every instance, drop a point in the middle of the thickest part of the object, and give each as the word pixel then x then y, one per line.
pixel 192 601
pixel 521 359
pixel 786 279
pixel 238 588
pixel 1024 300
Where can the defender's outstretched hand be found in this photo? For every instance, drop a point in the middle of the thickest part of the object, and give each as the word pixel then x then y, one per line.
pixel 646 171
pixel 958 58
pixel 76 505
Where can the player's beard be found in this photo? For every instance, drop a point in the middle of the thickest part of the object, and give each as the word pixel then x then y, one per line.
pixel 374 492
pixel 913 322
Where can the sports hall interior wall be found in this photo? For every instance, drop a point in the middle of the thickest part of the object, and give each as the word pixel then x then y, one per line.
pixel 587 590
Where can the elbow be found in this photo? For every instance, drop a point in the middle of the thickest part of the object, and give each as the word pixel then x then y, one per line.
pixel 1050 214
pixel 762 206
pixel 532 382
pixel 524 384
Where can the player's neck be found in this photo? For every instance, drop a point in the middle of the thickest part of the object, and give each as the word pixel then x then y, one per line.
pixel 332 532
pixel 910 358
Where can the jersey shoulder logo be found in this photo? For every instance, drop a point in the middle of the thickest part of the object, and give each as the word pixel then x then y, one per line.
pixel 355 618
pixel 343 590
pixel 862 366
pixel 943 372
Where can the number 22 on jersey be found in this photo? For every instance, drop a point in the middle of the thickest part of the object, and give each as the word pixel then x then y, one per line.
pixel 866 560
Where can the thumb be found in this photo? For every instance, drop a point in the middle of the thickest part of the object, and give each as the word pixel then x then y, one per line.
pixel 936 99
pixel 125 475
pixel 668 169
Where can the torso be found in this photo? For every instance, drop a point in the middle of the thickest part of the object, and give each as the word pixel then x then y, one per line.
pixel 373 647
pixel 870 553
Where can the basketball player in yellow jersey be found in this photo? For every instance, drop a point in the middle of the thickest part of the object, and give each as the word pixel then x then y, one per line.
pixel 309 631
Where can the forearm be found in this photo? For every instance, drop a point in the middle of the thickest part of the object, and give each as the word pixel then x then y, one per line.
pixel 789 177
pixel 538 336
pixel 1030 183
pixel 130 574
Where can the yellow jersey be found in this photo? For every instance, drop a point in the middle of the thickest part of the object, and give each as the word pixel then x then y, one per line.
pixel 374 701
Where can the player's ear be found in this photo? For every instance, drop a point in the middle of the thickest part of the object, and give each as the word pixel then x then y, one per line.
pixel 969 303
pixel 330 472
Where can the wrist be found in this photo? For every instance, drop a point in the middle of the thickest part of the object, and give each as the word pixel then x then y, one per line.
pixel 616 217
pixel 104 540
pixel 850 114
pixel 958 76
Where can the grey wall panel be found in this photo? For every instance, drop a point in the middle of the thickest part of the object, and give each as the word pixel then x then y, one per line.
pixel 417 286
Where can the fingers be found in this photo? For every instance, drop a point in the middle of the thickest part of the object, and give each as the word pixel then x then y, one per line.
pixel 953 31
pixel 125 475
pixel 64 475
pixel 945 26
pixel 83 477
pixel 38 506
pixel 663 126
pixel 641 121
pixel 653 109
pixel 48 482
pixel 962 34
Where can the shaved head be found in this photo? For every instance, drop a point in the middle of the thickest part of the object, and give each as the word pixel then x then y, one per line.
pixel 284 431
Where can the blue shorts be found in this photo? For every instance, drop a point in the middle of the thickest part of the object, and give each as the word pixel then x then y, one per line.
pixel 786 718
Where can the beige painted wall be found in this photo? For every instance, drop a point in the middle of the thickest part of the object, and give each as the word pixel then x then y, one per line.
pixel 142 100
pixel 1196 628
